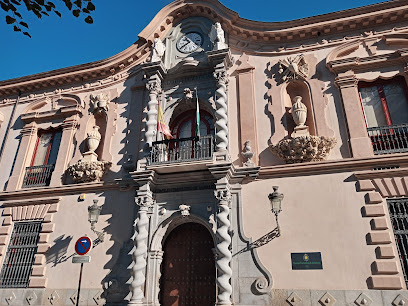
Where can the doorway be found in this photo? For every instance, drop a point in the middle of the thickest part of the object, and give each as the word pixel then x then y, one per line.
pixel 188 268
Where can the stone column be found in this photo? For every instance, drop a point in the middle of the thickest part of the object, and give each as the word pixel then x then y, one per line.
pixel 224 255
pixel 139 255
pixel 65 149
pixel 154 88
pixel 154 74
pixel 221 60
pixel 221 114
pixel 359 141
pixel 24 155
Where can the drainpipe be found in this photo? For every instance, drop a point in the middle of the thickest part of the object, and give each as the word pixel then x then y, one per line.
pixel 8 126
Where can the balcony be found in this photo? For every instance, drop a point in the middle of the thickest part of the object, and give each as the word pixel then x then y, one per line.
pixel 181 150
pixel 389 139
pixel 37 176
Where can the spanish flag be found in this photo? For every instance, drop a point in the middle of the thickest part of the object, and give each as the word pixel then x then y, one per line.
pixel 161 124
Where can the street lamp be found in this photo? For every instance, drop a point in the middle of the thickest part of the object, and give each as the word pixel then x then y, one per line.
pixel 93 214
pixel 276 204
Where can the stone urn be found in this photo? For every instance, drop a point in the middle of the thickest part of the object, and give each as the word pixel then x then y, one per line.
pixel 93 139
pixel 299 111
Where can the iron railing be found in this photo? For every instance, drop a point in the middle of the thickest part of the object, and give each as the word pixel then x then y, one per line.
pixel 38 176
pixel 19 260
pixel 389 139
pixel 183 149
pixel 398 209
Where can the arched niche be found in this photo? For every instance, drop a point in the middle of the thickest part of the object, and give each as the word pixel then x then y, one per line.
pixel 293 89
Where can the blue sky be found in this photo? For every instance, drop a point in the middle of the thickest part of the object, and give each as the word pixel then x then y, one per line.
pixel 68 41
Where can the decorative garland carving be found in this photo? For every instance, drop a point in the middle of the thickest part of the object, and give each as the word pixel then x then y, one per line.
pixel 88 171
pixel 304 148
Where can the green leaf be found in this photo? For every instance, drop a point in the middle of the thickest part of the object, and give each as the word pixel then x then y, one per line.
pixel 48 8
pixel 76 13
pixel 17 29
pixel 78 3
pixel 18 14
pixel 10 20
pixel 37 13
pixel 24 24
pixel 57 13
pixel 86 11
pixel 89 20
pixel 40 2
pixel 16 2
pixel 51 4
pixel 44 13
pixel 90 6
pixel 26 34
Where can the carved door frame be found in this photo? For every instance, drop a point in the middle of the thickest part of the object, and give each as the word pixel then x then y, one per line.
pixel 155 252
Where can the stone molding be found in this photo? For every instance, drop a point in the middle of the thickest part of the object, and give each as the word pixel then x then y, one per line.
pixel 330 166
pixel 34 209
pixel 386 268
pixel 239 29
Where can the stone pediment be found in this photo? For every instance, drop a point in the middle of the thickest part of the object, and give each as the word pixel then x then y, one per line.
pixel 48 108
pixel 378 50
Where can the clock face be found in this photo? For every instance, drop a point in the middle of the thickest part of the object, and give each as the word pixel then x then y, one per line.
pixel 189 42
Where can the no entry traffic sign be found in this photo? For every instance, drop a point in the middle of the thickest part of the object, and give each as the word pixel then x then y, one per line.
pixel 83 245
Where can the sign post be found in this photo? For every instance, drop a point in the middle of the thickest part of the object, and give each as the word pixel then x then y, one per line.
pixel 82 246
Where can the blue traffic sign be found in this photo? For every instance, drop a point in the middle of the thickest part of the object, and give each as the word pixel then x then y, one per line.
pixel 83 245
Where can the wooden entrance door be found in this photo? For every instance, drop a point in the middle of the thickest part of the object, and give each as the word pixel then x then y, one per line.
pixel 188 268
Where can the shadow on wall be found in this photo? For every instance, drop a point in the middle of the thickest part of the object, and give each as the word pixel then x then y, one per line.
pixel 265 239
pixel 57 253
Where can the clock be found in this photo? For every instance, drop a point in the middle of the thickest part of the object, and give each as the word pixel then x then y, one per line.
pixel 189 42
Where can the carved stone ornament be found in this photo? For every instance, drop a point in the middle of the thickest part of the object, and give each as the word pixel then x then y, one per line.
pixel 217 37
pixel 145 201
pixel 88 171
pixel 154 87
pixel 223 195
pixel 293 68
pixel 261 285
pixel 185 210
pixel 188 94
pixel 221 77
pixel 100 103
pixel 304 148
pixel 247 154
pixel 157 50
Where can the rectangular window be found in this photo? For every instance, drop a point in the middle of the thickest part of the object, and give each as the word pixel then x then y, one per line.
pixel 398 209
pixel 43 160
pixel 385 108
pixel 384 102
pixel 18 263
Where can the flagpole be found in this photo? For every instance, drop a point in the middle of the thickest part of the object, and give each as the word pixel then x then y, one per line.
pixel 197 115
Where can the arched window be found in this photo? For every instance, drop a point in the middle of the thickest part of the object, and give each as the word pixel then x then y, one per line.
pixel 184 126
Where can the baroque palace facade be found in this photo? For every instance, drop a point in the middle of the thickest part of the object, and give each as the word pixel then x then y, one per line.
pixel 284 181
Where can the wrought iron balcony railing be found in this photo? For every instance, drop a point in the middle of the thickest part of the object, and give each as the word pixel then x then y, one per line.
pixel 389 139
pixel 38 176
pixel 183 149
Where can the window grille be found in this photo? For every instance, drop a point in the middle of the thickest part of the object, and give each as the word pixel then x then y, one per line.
pixel 398 209
pixel 19 259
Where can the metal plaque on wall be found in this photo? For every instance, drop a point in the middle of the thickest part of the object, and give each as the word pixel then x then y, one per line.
pixel 306 261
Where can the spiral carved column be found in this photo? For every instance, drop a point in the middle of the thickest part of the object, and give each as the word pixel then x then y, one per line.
pixel 221 103
pixel 140 251
pixel 154 89
pixel 224 255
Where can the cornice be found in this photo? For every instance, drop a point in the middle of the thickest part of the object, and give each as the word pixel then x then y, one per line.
pixel 42 192
pixel 264 37
pixel 334 166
